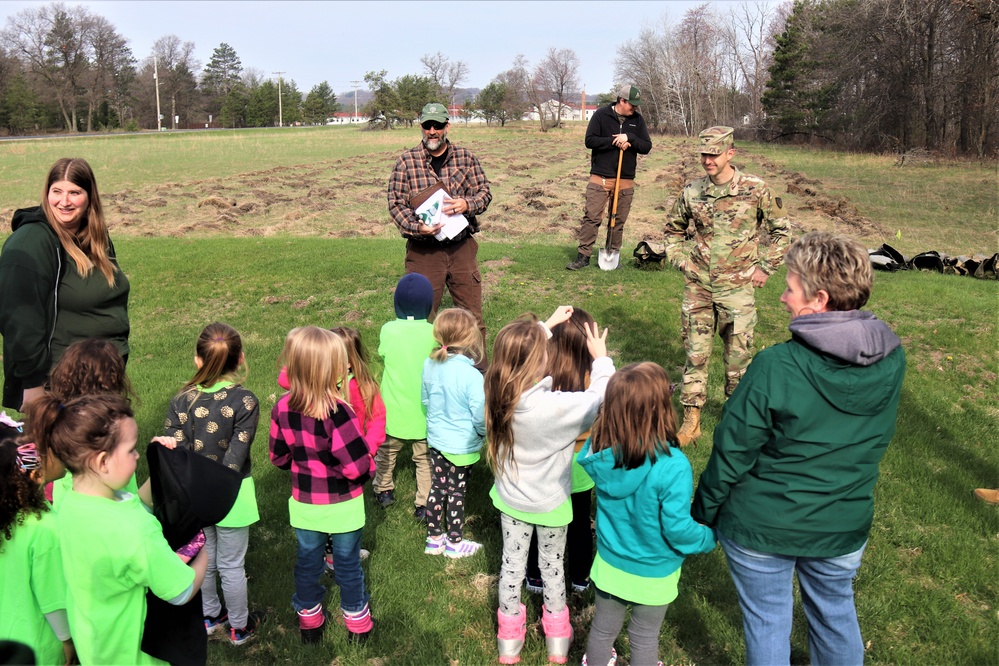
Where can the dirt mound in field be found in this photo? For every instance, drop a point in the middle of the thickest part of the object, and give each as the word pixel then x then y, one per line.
pixel 538 186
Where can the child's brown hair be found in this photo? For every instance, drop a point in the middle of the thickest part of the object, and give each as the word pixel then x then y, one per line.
pixel 78 430
pixel 89 367
pixel 637 419
pixel 221 352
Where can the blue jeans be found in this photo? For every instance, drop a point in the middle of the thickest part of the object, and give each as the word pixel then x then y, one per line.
pixel 310 564
pixel 764 584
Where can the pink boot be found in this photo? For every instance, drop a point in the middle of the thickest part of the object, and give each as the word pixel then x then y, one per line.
pixel 359 624
pixel 510 636
pixel 558 634
pixel 311 623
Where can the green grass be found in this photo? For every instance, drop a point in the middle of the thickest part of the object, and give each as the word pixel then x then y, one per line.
pixel 927 592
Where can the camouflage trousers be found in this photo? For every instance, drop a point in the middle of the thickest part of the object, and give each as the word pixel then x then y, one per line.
pixel 732 314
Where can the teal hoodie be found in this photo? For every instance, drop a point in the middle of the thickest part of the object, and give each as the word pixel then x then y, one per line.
pixel 643 515
pixel 797 451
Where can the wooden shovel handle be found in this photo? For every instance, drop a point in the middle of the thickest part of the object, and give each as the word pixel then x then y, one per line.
pixel 617 188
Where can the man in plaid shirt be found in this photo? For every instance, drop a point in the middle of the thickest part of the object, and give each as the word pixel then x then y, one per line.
pixel 453 262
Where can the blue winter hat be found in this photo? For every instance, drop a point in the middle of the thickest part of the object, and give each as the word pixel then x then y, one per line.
pixel 414 297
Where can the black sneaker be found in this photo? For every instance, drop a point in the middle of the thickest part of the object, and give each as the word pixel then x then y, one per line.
pixel 216 623
pixel 420 513
pixel 240 636
pixel 385 498
pixel 313 636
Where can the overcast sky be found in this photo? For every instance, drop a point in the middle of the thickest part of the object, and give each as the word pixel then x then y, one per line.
pixel 339 41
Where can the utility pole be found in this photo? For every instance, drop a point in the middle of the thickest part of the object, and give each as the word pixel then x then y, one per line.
pixel 280 108
pixel 156 78
pixel 355 99
pixel 582 104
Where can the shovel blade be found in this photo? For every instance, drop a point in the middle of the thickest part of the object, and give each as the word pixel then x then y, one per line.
pixel 608 259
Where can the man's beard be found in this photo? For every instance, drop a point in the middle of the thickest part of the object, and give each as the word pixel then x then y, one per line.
pixel 435 144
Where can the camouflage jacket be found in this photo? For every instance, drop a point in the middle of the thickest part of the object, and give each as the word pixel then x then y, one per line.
pixel 723 247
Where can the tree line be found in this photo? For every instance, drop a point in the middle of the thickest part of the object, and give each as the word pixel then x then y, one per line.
pixel 861 74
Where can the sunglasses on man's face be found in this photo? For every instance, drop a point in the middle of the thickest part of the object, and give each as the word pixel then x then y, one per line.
pixel 433 124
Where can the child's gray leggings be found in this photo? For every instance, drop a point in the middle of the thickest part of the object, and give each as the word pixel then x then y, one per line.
pixel 643 630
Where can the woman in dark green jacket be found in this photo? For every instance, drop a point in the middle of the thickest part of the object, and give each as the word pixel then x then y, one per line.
pixel 789 485
pixel 59 281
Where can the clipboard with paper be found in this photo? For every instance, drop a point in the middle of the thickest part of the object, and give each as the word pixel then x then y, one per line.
pixel 429 208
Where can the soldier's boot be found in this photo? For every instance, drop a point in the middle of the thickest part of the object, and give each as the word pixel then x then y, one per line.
pixel 691 428
pixel 581 261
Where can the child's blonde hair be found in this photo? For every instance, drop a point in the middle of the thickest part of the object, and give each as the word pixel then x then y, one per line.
pixel 519 356
pixel 357 357
pixel 637 419
pixel 317 366
pixel 457 332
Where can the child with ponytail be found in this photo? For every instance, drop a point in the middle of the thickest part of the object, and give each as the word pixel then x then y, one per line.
pixel 113 548
pixel 216 416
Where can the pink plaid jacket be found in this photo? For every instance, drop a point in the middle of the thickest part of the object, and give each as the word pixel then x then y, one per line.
pixel 329 459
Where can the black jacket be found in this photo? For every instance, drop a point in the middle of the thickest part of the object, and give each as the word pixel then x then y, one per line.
pixel 600 136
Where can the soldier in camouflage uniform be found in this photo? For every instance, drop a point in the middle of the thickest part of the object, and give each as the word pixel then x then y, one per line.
pixel 722 259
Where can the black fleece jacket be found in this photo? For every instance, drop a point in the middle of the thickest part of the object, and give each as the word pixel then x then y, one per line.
pixel 600 139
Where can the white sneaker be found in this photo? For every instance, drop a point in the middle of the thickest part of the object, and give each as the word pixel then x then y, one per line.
pixel 329 559
pixel 463 548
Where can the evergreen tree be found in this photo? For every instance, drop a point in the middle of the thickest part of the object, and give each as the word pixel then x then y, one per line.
pixel 222 85
pixel 319 104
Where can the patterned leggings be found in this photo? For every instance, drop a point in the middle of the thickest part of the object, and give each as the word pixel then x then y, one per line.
pixel 551 551
pixel 446 501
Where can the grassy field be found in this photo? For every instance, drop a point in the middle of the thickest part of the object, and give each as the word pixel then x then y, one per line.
pixel 317 248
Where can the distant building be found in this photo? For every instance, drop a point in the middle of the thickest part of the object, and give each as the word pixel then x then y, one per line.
pixel 346 118
pixel 569 111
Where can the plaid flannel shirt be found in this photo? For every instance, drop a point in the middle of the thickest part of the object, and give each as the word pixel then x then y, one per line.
pixel 329 459
pixel 461 175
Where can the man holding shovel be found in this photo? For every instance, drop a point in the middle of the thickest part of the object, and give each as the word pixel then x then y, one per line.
pixel 723 261
pixel 616 135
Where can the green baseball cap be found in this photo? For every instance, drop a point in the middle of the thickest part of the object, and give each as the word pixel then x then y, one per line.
pixel 716 140
pixel 434 111
pixel 630 94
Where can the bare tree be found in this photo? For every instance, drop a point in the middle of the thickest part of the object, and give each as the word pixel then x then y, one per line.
pixel 177 70
pixel 557 78
pixel 446 74
pixel 52 39
pixel 748 36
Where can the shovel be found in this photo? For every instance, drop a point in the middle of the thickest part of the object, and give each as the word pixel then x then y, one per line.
pixel 607 258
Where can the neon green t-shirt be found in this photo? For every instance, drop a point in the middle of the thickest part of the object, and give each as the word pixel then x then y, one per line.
pixel 31 585
pixel 112 552
pixel 560 516
pixel 244 512
pixel 636 589
pixel 338 518
pixel 462 459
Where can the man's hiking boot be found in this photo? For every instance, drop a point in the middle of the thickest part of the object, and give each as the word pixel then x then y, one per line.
pixel 580 262
pixel 691 428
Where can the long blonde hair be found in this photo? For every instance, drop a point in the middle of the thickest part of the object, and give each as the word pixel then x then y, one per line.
pixel 457 332
pixel 317 367
pixel 519 355
pixel 89 246
pixel 357 357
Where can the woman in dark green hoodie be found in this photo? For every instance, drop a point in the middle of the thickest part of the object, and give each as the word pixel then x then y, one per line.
pixel 59 281
pixel 789 485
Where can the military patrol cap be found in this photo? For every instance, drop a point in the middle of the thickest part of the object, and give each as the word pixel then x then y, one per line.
pixel 434 111
pixel 716 140
pixel 630 94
